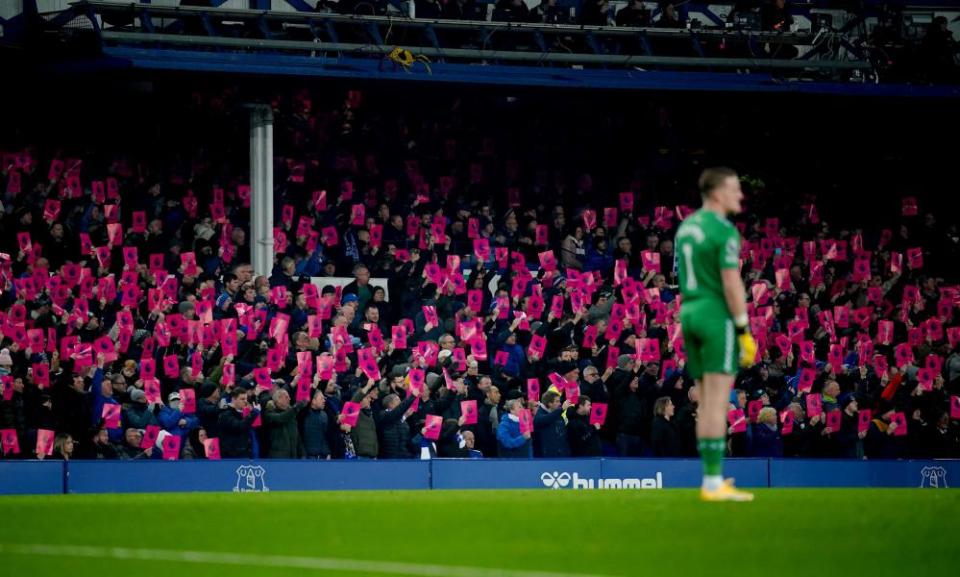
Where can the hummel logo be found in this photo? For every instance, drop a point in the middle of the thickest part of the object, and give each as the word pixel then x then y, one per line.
pixel 555 480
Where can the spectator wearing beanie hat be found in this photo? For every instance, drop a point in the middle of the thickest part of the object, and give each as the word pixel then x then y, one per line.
pixel 208 408
pixel 138 414
pixel 6 362
pixel 849 440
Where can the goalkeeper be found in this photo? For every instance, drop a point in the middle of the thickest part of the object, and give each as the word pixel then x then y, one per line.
pixel 714 319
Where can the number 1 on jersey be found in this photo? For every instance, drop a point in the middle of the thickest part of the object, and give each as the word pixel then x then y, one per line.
pixel 688 262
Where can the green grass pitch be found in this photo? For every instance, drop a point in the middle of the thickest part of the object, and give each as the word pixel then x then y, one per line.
pixel 483 534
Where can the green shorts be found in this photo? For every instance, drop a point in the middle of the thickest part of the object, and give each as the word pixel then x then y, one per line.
pixel 709 338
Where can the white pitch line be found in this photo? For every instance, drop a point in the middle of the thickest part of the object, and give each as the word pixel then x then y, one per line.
pixel 248 560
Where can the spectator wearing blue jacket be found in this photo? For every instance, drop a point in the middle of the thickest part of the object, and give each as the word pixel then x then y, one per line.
pixel 765 440
pixel 512 443
pixel 550 429
pixel 174 421
pixel 516 356
pixel 599 256
pixel 102 391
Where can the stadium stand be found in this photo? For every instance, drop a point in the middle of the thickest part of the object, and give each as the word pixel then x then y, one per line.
pixel 515 291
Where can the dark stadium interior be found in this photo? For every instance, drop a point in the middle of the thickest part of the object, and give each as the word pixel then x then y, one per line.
pixel 855 159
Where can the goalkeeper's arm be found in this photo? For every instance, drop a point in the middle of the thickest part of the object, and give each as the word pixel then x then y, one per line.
pixel 736 297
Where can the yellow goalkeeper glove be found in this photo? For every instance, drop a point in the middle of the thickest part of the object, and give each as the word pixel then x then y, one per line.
pixel 748 350
pixel 748 346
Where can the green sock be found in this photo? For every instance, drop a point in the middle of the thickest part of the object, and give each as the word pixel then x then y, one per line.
pixel 711 453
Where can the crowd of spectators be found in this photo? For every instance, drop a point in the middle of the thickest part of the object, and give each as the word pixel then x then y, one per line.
pixel 519 315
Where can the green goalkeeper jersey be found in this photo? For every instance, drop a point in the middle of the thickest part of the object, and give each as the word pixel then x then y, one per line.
pixel 706 243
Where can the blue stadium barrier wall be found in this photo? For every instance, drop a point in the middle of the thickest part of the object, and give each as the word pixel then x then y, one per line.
pixel 244 476
pixel 513 474
pixel 684 473
pixel 814 473
pixel 33 477
pixel 588 473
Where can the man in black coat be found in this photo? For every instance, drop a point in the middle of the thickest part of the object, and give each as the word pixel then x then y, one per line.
pixel 315 428
pixel 208 409
pixel 235 428
pixel 663 436
pixel 487 422
pixel 685 422
pixel 549 429
pixel 584 438
pixel 629 412
pixel 70 405
pixel 393 428
pixel 591 385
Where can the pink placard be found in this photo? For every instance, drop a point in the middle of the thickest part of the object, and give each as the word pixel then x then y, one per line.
pixel 151 388
pixel 150 436
pixel 908 206
pixel 261 376
pixel 613 356
pixel 171 366
pixel 598 414
pixel 786 420
pixel 188 401
pixel 649 350
pixel 737 420
pixel 11 444
pixel 753 410
pixel 955 407
pixel 6 382
pixel 547 260
pixel 589 219
pixel 45 438
pixel 41 375
pixel 319 200
pixel 814 405
pixel 864 417
pixel 376 235
pixel 834 420
pixel 432 426
pixel 211 448
pixel 526 422
pixel 357 214
pixel 885 332
pixel 541 235
pixel 533 390
pixel 901 420
pixel 880 365
pixel 171 447
pixel 915 258
pixel 538 344
pixel 350 414
pixel 329 236
pixel 651 261
pixel 430 315
pixel 610 217
pixel 111 416
pixel 51 210
pixel 478 346
pixel 138 222
pixel 903 354
pixel 229 374
pixel 469 410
